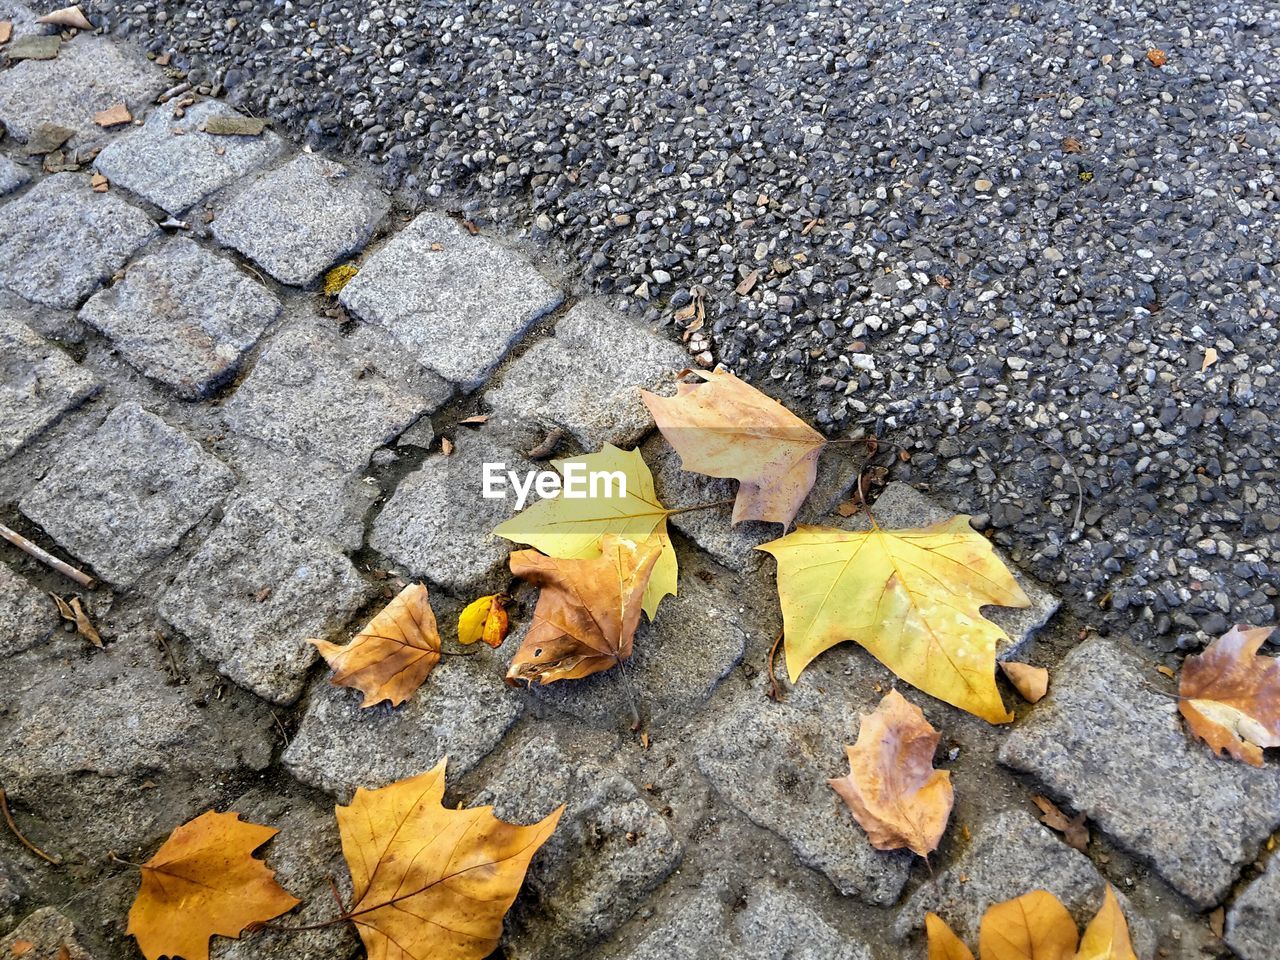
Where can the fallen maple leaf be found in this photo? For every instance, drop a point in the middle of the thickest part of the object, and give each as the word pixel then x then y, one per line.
pixel 1032 683
pixel 204 881
pixel 113 116
pixel 391 657
pixel 1073 830
pixel 1034 926
pixel 943 943
pixel 72 17
pixel 1107 936
pixel 1230 696
pixel 484 619
pixel 572 528
pixel 892 788
pixel 725 428
pixel 431 883
pixel 912 598
pixel 587 611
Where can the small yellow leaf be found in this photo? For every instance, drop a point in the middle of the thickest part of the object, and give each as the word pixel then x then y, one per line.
pixel 339 277
pixel 484 619
pixel 1034 926
pixel 1107 936
pixel 943 943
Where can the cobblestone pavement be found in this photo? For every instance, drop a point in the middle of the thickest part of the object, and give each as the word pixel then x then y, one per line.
pixel 246 462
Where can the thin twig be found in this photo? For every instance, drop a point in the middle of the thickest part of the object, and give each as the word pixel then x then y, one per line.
pixel 174 672
pixel 775 691
pixel 700 506
pixel 44 556
pixel 8 818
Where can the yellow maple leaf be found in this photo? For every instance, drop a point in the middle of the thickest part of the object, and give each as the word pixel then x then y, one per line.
pixel 431 883
pixel 1034 926
pixel 943 943
pixel 571 527
pixel 484 619
pixel 910 597
pixel 1107 936
pixel 204 881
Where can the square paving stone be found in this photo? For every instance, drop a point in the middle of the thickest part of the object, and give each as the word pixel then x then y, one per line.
pixel 183 316
pixel 438 524
pixel 698 636
pixel 27 616
pixel 609 851
pixel 458 301
pixel 462 710
pixel 39 383
pixel 173 164
pixel 1118 752
pixel 60 241
pixel 122 498
pixel 1253 922
pixel 763 923
pixel 12 175
pixel 587 378
pixel 88 75
pixel 255 591
pixel 316 393
pixel 1011 855
pixel 299 219
pixel 772 762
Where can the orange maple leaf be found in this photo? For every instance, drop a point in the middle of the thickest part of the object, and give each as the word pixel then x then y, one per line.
pixel 1230 696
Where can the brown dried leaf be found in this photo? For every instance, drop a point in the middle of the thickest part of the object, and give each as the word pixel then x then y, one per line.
pixel 74 612
pixel 892 788
pixel 478 419
pixel 71 17
pixel 391 657
pixel 1072 145
pixel 1073 830
pixel 99 183
pixel 1230 696
pixel 1157 57
pixel 1032 683
pixel 446 446
pixel 587 612
pixel 113 116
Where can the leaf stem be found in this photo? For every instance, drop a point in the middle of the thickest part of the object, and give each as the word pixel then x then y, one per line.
pixel 700 506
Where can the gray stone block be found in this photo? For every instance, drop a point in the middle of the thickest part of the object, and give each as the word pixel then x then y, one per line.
pixel 304 854
pixel 679 658
pixel 12 175
pixel 23 19
pixel 765 923
pixel 183 316
pixel 170 162
pixel 438 525
pixel 321 498
pixel 1119 753
pixel 122 498
pixel 44 935
pixel 610 850
pixel 587 378
pixel 1253 922
pixel 88 75
pixel 462 710
pixel 457 301
pixel 315 393
pixel 60 241
pixel 27 616
pixel 298 220
pixel 38 385
pixel 255 591
pixel 713 530
pixel 1011 855
pixel 772 761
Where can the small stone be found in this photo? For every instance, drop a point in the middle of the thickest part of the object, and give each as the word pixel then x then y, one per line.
pixel 458 301
pixel 983 185
pixel 587 378
pixel 462 711
pixel 33 48
pixel 254 593
pixel 184 317
pixel 1119 753
pixel 170 162
pixel 12 176
pixel 27 616
pixel 123 497
pixel 39 384
pixel 609 851
pixel 438 524
pixel 316 394
pixel 234 125
pixel 44 935
pixel 60 240
pixel 72 83
pixel 326 214
pixel 1253 922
